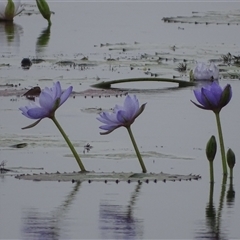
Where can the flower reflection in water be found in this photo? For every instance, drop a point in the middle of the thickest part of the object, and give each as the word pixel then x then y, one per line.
pixel 117 222
pixel 10 35
pixel 214 227
pixel 49 225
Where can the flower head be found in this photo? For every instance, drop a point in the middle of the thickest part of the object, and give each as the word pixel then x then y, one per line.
pixel 9 9
pixel 213 97
pixel 206 72
pixel 122 116
pixel 49 101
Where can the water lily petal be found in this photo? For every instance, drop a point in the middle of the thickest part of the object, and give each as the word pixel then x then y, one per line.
pixel 110 117
pixel 38 113
pixel 200 106
pixel 131 106
pixel 209 98
pixel 140 110
pixel 65 95
pixel 107 127
pixel 56 90
pixel 216 90
pixel 46 101
pixel 110 130
pixel 123 117
pixel 198 95
pixel 25 111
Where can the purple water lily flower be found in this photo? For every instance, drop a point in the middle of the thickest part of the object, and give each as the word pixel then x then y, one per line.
pixel 49 101
pixel 45 106
pixel 213 97
pixel 122 116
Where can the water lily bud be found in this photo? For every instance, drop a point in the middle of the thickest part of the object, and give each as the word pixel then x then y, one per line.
pixel 9 10
pixel 211 148
pixel 44 10
pixel 230 158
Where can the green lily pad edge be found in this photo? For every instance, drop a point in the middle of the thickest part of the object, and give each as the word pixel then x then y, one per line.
pixel 107 177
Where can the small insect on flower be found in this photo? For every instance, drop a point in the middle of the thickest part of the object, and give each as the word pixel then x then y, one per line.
pixel 50 99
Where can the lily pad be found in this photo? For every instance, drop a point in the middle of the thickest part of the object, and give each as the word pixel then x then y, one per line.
pixel 108 84
pixel 107 177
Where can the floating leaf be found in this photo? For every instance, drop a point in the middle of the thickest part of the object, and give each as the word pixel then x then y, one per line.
pixel 107 177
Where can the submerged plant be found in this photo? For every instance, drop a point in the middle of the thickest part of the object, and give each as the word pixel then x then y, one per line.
pixel 213 97
pixel 206 72
pixel 123 116
pixel 9 9
pixel 50 99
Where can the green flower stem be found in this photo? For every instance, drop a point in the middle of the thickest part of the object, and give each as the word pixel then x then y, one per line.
pixel 69 144
pixel 231 173
pixel 144 170
pixel 224 164
pixel 211 172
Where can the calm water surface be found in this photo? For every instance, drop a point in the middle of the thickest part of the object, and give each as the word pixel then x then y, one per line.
pixel 171 132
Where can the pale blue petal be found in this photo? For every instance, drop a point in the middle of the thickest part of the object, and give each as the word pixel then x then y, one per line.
pixel 107 127
pixel 110 117
pixel 65 95
pixel 57 90
pixel 211 100
pixel 46 101
pixel 38 113
pixel 103 119
pixel 131 106
pixel 198 95
pixel 122 117
pixel 216 91
pixel 25 111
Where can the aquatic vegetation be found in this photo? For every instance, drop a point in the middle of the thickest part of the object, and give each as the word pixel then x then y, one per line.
pixel 50 99
pixel 9 9
pixel 211 150
pixel 123 116
pixel 44 10
pixel 231 160
pixel 206 72
pixel 213 97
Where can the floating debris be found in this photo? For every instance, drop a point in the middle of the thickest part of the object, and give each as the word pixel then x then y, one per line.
pixel 26 63
pixel 210 17
pixel 37 60
pixel 19 145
